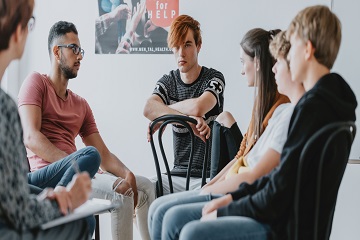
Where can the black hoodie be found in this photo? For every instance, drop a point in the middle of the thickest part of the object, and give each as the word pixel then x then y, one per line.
pixel 270 199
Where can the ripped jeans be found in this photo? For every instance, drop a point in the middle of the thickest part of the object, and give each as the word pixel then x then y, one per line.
pixel 122 217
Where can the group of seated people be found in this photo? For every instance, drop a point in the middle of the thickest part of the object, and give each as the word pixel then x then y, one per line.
pixel 253 175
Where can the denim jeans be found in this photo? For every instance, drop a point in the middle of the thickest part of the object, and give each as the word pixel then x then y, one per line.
pixel 182 222
pixel 123 217
pixel 161 207
pixel 61 172
pixel 226 228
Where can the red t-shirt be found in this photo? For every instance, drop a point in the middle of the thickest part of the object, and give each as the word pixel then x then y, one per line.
pixel 61 120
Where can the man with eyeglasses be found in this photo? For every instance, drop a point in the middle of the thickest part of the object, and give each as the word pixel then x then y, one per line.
pixel 52 116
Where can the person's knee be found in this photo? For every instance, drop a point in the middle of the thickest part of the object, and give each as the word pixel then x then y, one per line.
pixel 172 217
pixel 152 210
pixel 190 231
pixel 146 190
pixel 226 119
pixel 144 184
pixel 94 155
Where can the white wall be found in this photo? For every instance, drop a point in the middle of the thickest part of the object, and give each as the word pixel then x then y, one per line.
pixel 348 59
pixel 117 86
pixel 347 213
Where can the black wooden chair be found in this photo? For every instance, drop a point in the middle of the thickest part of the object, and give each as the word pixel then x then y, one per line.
pixel 184 121
pixel 336 140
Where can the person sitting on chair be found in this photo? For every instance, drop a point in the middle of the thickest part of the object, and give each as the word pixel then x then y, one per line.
pixel 192 90
pixel 53 115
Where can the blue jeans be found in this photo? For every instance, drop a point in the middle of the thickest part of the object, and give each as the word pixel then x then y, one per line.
pixel 182 222
pixel 176 216
pixel 159 227
pixel 61 172
pixel 226 228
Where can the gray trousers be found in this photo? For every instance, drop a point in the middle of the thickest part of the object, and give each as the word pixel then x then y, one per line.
pixel 70 231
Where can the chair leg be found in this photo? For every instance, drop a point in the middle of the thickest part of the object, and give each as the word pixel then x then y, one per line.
pixel 97 228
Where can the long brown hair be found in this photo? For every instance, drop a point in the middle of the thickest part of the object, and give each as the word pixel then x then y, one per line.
pixel 255 44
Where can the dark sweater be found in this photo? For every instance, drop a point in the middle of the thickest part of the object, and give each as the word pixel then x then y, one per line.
pixel 270 199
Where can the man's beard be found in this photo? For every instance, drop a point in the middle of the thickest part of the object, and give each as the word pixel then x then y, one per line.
pixel 66 70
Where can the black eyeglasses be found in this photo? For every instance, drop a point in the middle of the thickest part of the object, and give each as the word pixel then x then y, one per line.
pixel 75 48
pixel 31 23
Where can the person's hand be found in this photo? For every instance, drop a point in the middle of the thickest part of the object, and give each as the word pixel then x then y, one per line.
pixel 79 189
pixel 124 47
pixel 63 199
pixel 210 216
pixel 126 186
pixel 139 11
pixel 121 12
pixel 149 27
pixel 201 129
pixel 216 204
pixel 130 178
pixel 155 128
pixel 60 195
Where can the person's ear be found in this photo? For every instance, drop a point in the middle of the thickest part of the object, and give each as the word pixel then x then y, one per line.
pixel 19 33
pixel 310 50
pixel 56 51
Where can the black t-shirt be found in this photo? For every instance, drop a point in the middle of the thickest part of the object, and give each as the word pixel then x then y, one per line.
pixel 171 89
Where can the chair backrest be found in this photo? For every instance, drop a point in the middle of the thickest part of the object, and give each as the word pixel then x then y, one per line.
pixel 184 121
pixel 336 140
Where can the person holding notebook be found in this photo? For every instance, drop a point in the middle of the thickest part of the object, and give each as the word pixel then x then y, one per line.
pixel 22 213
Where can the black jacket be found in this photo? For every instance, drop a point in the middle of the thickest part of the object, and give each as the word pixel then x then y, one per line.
pixel 270 199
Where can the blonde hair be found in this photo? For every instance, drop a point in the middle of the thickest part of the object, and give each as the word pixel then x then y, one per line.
pixel 280 46
pixel 322 28
pixel 180 27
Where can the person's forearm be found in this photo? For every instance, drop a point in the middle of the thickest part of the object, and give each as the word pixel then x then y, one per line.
pixel 154 109
pixel 189 107
pixel 43 148
pixel 113 165
pixel 231 184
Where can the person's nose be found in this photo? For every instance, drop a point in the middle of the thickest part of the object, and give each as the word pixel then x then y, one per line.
pixel 274 68
pixel 242 71
pixel 181 51
pixel 79 57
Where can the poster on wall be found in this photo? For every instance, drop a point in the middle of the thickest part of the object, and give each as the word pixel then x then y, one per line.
pixel 134 26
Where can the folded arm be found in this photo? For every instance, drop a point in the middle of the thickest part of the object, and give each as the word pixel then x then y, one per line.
pixel 196 106
pixel 155 108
